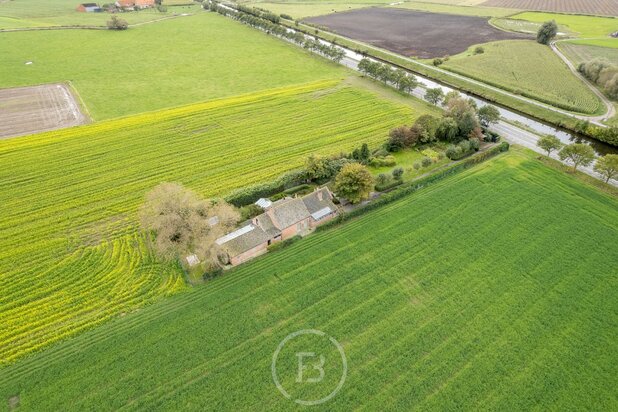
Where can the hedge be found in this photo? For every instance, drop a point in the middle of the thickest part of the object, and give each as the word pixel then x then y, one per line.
pixel 415 185
pixel 250 194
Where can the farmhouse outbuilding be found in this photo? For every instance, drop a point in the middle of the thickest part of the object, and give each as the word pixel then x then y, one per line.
pixel 282 220
pixel 89 8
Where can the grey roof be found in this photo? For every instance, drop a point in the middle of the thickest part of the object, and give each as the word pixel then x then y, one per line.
pixel 289 212
pixel 266 224
pixel 247 240
pixel 314 204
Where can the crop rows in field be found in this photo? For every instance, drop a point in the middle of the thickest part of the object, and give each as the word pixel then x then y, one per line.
pixel 433 311
pixel 70 255
pixel 600 7
pixel 579 53
pixel 527 68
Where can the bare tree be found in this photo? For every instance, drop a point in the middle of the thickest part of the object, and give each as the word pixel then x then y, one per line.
pixel 182 223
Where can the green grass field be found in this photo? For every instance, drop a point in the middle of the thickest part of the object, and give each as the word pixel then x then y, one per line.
pixel 463 10
pixel 70 254
pixel 530 69
pixel 40 13
pixel 578 53
pixel 525 26
pixel 302 10
pixel 491 290
pixel 585 26
pixel 159 65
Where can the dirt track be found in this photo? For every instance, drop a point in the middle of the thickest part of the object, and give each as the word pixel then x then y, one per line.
pixel 413 33
pixel 27 110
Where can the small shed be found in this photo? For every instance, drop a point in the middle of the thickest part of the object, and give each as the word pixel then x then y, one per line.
pixel 89 8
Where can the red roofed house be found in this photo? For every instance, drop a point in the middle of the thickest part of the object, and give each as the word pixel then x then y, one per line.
pixel 141 4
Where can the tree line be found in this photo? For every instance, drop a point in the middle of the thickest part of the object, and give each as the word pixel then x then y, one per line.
pixel 581 154
pixel 268 22
pixel 385 73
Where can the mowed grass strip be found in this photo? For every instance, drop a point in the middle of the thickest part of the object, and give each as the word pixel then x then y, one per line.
pixel 70 256
pixel 493 289
pixel 529 69
pixel 160 65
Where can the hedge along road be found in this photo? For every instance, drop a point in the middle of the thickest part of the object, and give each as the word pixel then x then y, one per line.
pixel 505 127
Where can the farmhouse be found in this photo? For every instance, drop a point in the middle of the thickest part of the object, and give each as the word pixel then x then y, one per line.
pixel 140 4
pixel 89 8
pixel 282 220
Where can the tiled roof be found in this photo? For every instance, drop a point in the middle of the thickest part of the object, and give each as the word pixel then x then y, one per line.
pixel 266 224
pixel 313 203
pixel 249 237
pixel 288 213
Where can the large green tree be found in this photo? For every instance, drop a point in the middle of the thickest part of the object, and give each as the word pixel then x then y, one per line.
pixel 434 96
pixel 354 182
pixel 607 166
pixel 549 143
pixel 579 154
pixel 547 32
pixel 489 115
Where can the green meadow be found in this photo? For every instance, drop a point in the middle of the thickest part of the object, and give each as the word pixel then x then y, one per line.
pixel 584 26
pixel 529 69
pixel 159 65
pixel 45 13
pixel 491 290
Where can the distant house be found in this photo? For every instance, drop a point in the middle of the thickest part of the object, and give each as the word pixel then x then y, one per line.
pixel 89 8
pixel 282 220
pixel 140 4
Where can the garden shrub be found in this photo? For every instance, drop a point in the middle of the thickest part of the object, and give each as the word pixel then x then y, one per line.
pixel 426 161
pixel 386 161
pixel 391 183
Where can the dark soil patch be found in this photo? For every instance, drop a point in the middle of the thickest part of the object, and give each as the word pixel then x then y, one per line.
pixel 414 33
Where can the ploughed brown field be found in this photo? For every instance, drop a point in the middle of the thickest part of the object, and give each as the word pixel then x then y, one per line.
pixel 26 110
pixel 413 33
pixel 600 7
